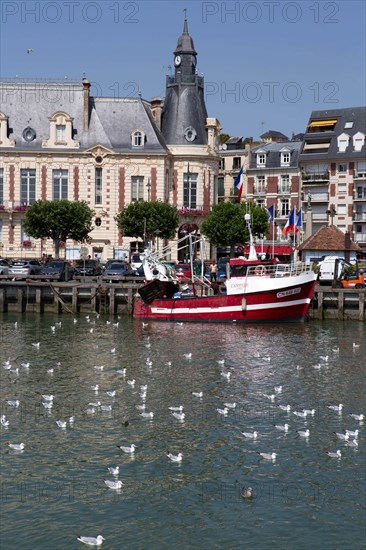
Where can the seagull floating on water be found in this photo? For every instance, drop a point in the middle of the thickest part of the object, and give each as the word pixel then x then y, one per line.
pixel 95 388
pixel 353 443
pixel 302 414
pixel 36 345
pixel 352 433
pixel 305 433
pixel 337 408
pixel 271 397
pixel 130 449
pixel 15 403
pixel 91 541
pixel 283 428
pixel 175 458
pixel 179 416
pixel 197 393
pixel 176 409
pixel 359 417
pixel 341 436
pixel 285 407
pixel 250 435
pixel 223 411
pixel 226 375
pixel 337 454
pixel 113 484
pixel 278 389
pixel 147 414
pixel 111 393
pixel 16 446
pixel 61 423
pixel 48 397
pixel 3 421
pixel 131 382
pixel 246 492
pixel 113 471
pixel 268 456
pixel 188 355
pixel 309 411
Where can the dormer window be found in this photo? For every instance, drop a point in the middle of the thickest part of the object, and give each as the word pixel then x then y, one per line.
pixel 358 141
pixel 343 141
pixel 138 138
pixel 261 159
pixel 285 157
pixel 61 132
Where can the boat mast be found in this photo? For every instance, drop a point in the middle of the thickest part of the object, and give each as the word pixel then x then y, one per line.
pixel 252 251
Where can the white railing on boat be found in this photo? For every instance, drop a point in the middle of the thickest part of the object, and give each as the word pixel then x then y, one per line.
pixel 277 270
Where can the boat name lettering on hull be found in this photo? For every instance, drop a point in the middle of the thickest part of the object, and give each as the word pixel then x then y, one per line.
pixel 288 292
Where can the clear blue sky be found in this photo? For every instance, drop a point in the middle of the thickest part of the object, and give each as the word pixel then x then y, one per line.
pixel 267 64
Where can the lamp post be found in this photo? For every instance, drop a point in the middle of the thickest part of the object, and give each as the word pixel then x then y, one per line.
pixel 148 186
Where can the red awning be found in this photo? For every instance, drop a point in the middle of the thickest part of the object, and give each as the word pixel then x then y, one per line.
pixel 278 249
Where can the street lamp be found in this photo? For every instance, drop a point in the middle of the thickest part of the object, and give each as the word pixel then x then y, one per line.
pixel 148 186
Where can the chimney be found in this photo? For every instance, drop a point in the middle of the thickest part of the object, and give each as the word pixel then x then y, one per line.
pixel 156 106
pixel 86 94
pixel 347 246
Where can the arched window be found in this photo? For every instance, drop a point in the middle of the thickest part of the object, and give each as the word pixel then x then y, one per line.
pixel 138 138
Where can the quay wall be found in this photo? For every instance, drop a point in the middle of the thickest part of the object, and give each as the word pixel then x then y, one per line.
pixel 112 298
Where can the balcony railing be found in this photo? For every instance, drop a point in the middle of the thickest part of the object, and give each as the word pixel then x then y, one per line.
pixel 315 177
pixel 360 216
pixel 320 216
pixel 360 237
pixel 319 197
pixel 359 175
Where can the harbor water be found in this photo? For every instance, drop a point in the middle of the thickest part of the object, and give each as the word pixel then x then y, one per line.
pixel 54 489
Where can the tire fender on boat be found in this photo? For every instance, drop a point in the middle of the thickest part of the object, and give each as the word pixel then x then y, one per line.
pixel 222 289
pixel 260 270
pixel 244 304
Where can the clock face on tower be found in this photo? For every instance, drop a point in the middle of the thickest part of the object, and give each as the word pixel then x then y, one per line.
pixel 177 60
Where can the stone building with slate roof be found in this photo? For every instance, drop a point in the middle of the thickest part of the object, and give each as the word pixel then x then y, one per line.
pixel 59 141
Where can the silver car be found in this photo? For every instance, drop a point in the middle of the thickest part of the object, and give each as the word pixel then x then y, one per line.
pixel 25 267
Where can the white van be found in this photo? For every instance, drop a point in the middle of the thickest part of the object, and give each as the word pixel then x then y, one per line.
pixel 330 269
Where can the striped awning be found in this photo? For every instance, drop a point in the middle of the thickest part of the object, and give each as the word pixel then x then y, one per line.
pixel 322 123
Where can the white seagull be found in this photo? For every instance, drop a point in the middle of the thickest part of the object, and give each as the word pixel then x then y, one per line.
pixel 285 407
pixel 353 443
pixel 223 411
pixel 337 408
pixel 36 345
pixel 352 433
pixel 175 458
pixel 16 446
pixel 113 484
pixel 250 435
pixel 131 382
pixel 179 416
pixel 47 397
pixel 358 417
pixel 3 421
pixel 305 433
pixel 61 423
pixel 337 454
pixel 188 355
pixel 278 389
pixel 230 405
pixel 176 409
pixel 197 393
pixel 226 375
pixel 91 541
pixel 268 456
pixel 111 393
pixel 283 428
pixel 15 403
pixel 343 437
pixel 113 471
pixel 130 449
pixel 147 414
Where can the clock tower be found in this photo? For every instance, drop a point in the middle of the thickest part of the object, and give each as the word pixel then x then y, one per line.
pixel 184 112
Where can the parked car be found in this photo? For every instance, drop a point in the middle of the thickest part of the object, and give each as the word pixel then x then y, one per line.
pixel 88 267
pixel 59 269
pixel 25 267
pixel 136 260
pixel 117 270
pixel 4 267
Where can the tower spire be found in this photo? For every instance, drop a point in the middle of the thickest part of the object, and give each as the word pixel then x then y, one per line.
pixel 185 27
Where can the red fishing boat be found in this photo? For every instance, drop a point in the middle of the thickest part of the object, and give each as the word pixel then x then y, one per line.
pixel 256 291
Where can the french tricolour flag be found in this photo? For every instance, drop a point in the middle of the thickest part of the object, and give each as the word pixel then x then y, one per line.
pixel 238 183
pixel 290 224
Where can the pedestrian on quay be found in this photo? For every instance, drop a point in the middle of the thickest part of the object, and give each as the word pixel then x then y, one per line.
pixel 213 272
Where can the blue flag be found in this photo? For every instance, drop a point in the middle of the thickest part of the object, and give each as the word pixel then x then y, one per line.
pixel 299 219
pixel 271 213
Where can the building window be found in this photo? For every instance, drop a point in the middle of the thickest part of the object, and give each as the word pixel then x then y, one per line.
pixel 222 164
pixel 27 186
pixel 361 170
pixel 260 184
pixel 285 207
pixel 285 158
pixel 261 159
pixel 348 125
pixel 342 167
pixel 236 163
pixel 98 222
pixel 1 186
pixel 137 139
pixel 98 185
pixel 361 192
pixel 60 184
pixel 190 190
pixel 25 236
pixel 137 188
pixel 342 188
pixel 285 184
pixel 220 187
pixel 60 133
pixel 260 203
pixel 341 209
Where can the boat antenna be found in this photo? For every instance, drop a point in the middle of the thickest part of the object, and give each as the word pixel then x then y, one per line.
pixel 252 251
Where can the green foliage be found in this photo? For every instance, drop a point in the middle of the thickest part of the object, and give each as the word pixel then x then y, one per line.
pixel 225 225
pixel 147 219
pixel 59 221
pixel 223 138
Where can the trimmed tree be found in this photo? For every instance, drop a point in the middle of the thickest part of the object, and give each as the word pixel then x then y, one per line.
pixel 225 225
pixel 59 220
pixel 145 220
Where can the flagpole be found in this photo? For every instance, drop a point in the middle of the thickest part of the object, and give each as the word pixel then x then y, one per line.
pixel 273 232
